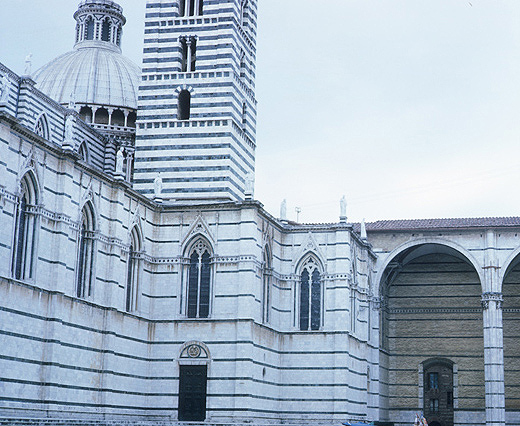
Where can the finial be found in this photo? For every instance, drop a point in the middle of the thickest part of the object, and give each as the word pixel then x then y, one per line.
pixel 363 230
pixel 283 210
pixel 343 209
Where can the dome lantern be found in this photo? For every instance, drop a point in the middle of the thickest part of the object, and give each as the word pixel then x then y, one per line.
pixel 99 23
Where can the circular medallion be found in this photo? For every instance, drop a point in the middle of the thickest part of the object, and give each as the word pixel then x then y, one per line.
pixel 194 351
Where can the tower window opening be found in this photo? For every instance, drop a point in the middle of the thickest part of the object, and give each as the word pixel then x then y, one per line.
pixel 201 7
pixel 105 30
pixel 182 7
pixel 184 55
pixel 184 105
pixel 191 7
pixel 193 56
pixel 89 29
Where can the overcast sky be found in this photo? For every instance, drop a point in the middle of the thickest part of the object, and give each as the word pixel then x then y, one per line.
pixel 411 108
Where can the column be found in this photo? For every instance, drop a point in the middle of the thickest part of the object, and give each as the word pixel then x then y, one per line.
pixel 189 42
pixel 493 337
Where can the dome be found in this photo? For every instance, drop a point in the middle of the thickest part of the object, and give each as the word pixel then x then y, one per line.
pixel 95 73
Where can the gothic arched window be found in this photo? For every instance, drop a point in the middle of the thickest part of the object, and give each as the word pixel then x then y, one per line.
pixel 133 271
pixel 42 127
pixel 266 282
pixel 89 29
pixel 310 295
pixel 199 280
pixel 184 105
pixel 26 230
pixel 83 152
pixel 85 264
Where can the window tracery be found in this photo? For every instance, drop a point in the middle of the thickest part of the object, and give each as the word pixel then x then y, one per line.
pixel 310 295
pixel 42 127
pixel 199 280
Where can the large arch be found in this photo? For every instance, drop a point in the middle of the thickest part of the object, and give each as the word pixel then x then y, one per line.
pixel 431 291
pixel 423 241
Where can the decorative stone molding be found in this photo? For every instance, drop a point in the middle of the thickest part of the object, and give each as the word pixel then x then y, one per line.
pixel 492 297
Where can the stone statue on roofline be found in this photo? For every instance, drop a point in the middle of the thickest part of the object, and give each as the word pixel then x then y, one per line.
pixel 158 188
pixel 28 65
pixel 68 141
pixel 120 159
pixel 283 210
pixel 4 90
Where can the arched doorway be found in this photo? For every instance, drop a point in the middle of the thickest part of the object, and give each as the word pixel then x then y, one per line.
pixel 431 310
pixel 193 382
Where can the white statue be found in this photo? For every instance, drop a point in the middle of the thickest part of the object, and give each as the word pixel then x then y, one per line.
pixel 69 130
pixel 283 210
pixel 343 207
pixel 363 230
pixel 157 186
pixel 28 64
pixel 250 184
pixel 4 89
pixel 120 158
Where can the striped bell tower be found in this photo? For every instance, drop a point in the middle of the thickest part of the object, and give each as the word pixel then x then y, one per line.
pixel 196 130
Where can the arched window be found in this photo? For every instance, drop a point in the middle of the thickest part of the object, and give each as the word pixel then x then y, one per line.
pixel 310 295
pixel 132 117
pixel 89 29
pixel 266 278
pixel 184 105
pixel 105 30
pixel 199 280
pixel 133 271
pixel 83 152
pixel 191 7
pixel 42 127
pixel 26 230
pixel 85 264
pixel 118 118
pixel 184 55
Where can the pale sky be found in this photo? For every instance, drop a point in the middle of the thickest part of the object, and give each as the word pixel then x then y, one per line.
pixel 410 108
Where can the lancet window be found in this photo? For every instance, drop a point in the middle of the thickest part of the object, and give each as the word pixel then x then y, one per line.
pixel 42 127
pixel 310 295
pixel 133 271
pixel 89 29
pixel 105 30
pixel 24 253
pixel 85 263
pixel 199 280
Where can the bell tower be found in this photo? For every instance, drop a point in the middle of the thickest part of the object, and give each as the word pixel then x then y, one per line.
pixel 196 129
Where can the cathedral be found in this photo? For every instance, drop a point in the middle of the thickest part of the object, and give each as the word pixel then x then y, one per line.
pixel 141 282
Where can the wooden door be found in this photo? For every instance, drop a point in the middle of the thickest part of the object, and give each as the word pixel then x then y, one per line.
pixel 193 382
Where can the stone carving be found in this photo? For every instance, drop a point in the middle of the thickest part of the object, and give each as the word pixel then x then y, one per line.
pixel 363 230
pixel 120 159
pixel 28 64
pixel 158 186
pixel 69 132
pixel 283 210
pixel 343 208
pixel 492 297
pixel 250 185
pixel 4 89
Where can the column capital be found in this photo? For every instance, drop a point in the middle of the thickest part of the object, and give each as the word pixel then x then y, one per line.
pixel 492 297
